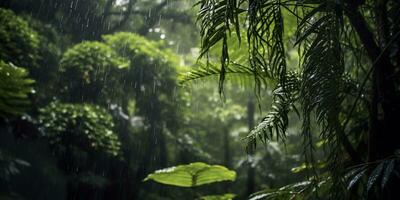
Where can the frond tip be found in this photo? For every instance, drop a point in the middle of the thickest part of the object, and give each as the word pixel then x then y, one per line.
pixel 276 121
pixel 210 70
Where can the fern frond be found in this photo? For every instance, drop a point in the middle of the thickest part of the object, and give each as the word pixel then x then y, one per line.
pixel 265 38
pixel 209 70
pixel 217 17
pixel 301 190
pixel 322 80
pixel 276 121
pixel 322 90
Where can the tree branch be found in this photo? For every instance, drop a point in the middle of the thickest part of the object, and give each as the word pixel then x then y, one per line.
pixel 365 35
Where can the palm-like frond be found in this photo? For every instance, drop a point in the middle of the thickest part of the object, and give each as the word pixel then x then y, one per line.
pixel 265 38
pixel 322 78
pixel 264 35
pixel 216 18
pixel 302 190
pixel 276 121
pixel 322 71
pixel 208 70
pixel 328 38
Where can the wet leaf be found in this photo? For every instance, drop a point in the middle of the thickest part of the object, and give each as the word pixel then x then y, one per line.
pixel 374 176
pixel 218 197
pixel 358 175
pixel 191 175
pixel 387 173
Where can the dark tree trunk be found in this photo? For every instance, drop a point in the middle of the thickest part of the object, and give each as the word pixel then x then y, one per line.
pixel 385 104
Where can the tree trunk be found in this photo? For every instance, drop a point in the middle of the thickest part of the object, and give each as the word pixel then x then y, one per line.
pixel 385 105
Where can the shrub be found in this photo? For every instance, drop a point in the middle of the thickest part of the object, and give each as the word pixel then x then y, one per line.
pixel 83 127
pixel 91 72
pixel 19 44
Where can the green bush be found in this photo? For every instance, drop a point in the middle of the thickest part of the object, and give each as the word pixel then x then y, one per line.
pixel 152 70
pixel 151 76
pixel 80 127
pixel 91 72
pixel 19 44
pixel 14 89
pixel 128 44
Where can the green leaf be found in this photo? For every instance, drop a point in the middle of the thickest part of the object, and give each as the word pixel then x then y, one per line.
pixel 191 175
pixel 218 197
pixel 292 191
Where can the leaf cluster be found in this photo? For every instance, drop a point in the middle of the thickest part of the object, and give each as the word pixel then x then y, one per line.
pixel 84 126
pixel 91 71
pixel 19 43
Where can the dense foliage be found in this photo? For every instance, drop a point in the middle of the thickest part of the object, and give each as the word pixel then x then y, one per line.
pixel 19 43
pixel 90 73
pixel 81 126
pixel 344 94
pixel 120 99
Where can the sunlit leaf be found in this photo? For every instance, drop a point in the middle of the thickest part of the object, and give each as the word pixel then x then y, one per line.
pixel 218 197
pixel 191 175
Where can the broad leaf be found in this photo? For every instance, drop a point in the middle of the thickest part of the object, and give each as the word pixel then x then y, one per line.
pixel 218 197
pixel 191 175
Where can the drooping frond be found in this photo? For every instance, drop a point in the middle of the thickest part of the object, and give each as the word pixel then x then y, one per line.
pixel 322 89
pixel 265 38
pixel 322 71
pixel 216 18
pixel 276 121
pixel 264 34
